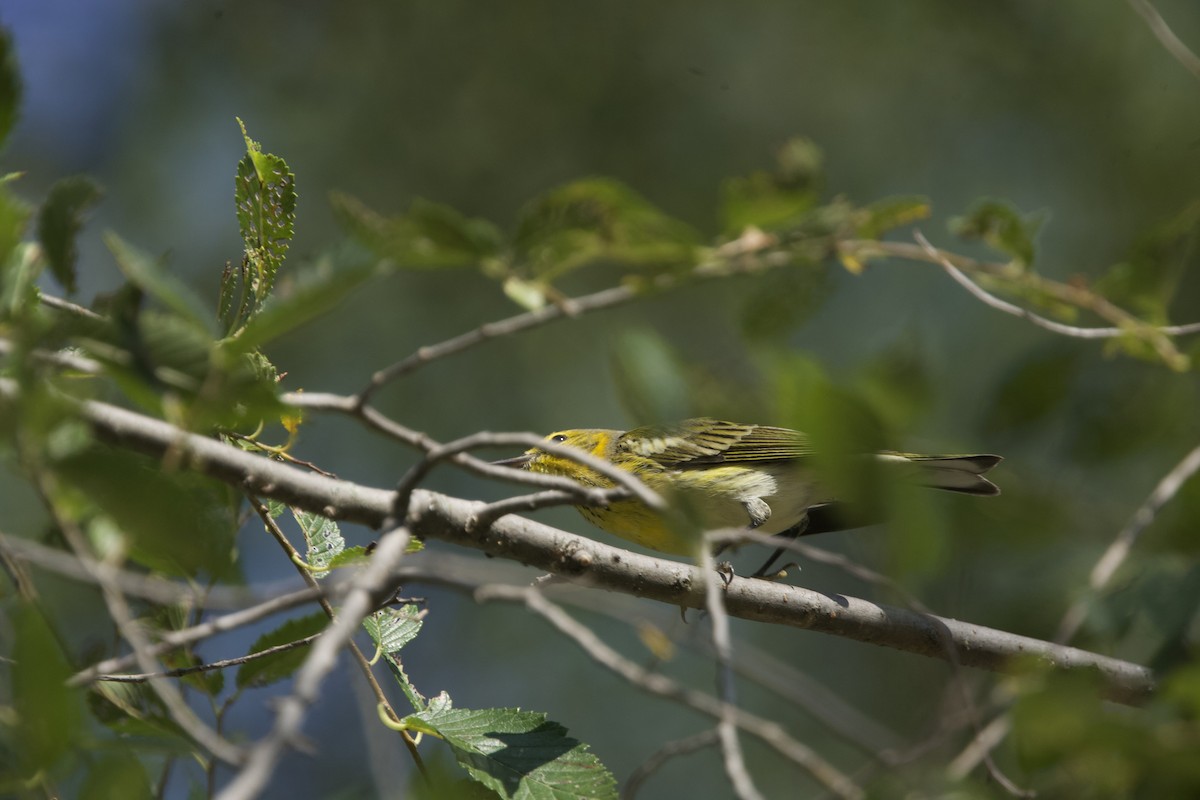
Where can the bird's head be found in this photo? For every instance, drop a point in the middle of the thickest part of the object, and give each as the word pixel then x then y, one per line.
pixel 594 441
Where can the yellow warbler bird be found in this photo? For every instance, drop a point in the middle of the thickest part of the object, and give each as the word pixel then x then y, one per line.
pixel 726 475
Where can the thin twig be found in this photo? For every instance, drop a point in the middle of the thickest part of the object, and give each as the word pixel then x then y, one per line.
pixel 985 741
pixel 1173 45
pixel 60 304
pixel 137 584
pixel 1078 296
pixel 991 300
pixel 364 664
pixel 122 615
pixel 290 711
pixel 452 452
pixel 752 252
pixel 606 298
pixel 175 639
pixel 142 677
pixel 679 747
pixel 945 638
pixel 600 652
pixel 731 749
pixel 625 480
pixel 1121 546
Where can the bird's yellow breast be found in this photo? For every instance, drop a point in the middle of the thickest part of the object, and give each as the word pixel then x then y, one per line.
pixel 707 499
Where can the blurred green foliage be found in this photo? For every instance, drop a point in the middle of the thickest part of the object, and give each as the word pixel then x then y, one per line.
pixel 777 148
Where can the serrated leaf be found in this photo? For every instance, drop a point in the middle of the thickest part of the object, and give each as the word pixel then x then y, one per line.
pixel 59 222
pixel 428 236
pixel 415 698
pixel 150 276
pixel 598 218
pixel 10 86
pixel 265 196
pixel 323 537
pixel 1002 227
pixel 519 754
pixel 277 666
pixel 392 628
pixel 776 199
pixel 234 302
pixel 313 296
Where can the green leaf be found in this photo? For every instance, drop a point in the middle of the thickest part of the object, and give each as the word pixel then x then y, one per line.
pixel 48 712
pixel 1146 283
pixel 598 218
pixel 323 537
pixel 176 522
pixel 119 775
pixel 1078 747
pixel 392 628
pixel 1000 226
pixel 265 195
pixel 415 698
pixel 278 666
pixel 781 301
pixel 15 286
pixel 234 304
pixel 10 86
pixel 884 215
pixel 150 276
pixel 518 754
pixel 428 236
pixel 896 382
pixel 841 425
pixel 649 377
pixel 1127 411
pixel 317 293
pixel 778 199
pixel 351 555
pixel 133 709
pixel 1033 390
pixel 59 222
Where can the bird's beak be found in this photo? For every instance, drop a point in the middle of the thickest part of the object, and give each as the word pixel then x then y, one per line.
pixel 518 462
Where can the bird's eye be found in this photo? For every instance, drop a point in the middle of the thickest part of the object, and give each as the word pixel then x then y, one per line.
pixel 558 438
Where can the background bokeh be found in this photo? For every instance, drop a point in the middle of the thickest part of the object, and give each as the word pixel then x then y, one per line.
pixel 1072 109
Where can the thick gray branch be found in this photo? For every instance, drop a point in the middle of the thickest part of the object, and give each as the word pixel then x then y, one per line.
pixel 596 564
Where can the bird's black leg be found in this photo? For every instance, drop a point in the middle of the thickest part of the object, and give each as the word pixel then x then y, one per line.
pixel 791 533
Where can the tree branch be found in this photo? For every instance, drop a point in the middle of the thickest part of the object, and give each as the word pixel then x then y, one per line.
pixel 594 563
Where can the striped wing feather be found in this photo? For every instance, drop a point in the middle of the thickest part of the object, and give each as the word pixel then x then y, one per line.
pixel 704 441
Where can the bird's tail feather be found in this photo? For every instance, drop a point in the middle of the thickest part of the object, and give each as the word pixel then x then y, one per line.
pixel 957 473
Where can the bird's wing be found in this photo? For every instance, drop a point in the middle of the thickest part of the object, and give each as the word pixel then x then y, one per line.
pixel 704 441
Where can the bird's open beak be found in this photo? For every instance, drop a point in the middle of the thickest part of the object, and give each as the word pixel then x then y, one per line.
pixel 518 462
